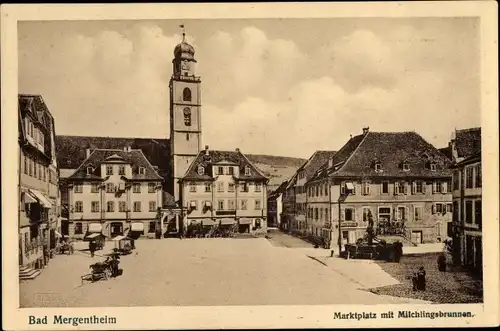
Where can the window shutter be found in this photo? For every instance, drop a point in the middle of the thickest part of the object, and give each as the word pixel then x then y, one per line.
pixel 424 186
pixel 396 188
pixel 407 214
pixel 405 188
pixel 433 209
pixel 443 187
pixel 434 186
pixel 413 187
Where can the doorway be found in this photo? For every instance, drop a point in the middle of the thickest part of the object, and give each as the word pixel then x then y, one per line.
pixel 116 229
pixel 416 237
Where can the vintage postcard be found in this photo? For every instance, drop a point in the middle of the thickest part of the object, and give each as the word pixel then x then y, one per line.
pixel 267 165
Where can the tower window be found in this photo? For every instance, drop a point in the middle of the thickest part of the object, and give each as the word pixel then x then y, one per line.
pixel 187 116
pixel 186 94
pixel 187 136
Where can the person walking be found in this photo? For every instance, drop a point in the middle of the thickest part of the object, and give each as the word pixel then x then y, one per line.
pixel 441 261
pixel 421 283
pixel 92 247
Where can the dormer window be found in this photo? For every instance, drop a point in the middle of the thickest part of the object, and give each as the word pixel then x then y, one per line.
pixel 406 166
pixel 247 171
pixel 378 166
pixel 142 171
pixel 90 170
pixel 201 170
pixel 432 166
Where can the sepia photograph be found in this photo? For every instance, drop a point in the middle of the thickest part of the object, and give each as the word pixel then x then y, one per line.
pixel 185 161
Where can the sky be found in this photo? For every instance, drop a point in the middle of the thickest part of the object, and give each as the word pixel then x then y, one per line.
pixel 283 87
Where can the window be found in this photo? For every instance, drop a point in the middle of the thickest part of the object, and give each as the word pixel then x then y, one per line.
pixel 121 170
pixel 35 166
pixel 111 206
pixel 186 94
pixel 406 167
pixel 201 171
pixel 25 164
pixel 418 187
pixel 142 171
pixel 192 187
pixel 478 176
pixel 40 171
pixel 258 187
pixel 439 208
pixel 220 187
pixel 349 214
pixel 326 214
pixel 438 187
pixel 418 213
pixel 243 204
pixel 326 189
pixel 449 207
pixel 136 188
pixel 257 204
pixel 477 212
pixel 315 213
pixel 109 170
pixel 152 205
pixel 94 188
pixel 137 206
pixel 468 177
pixel 152 227
pixel 78 228
pixel 78 188
pixel 456 180
pixel 208 187
pixel 230 187
pixel 468 211
pixel 244 187
pixel 151 187
pixel 231 204
pixel 187 117
pixel 365 188
pixel 110 188
pixel 433 167
pixel 378 166
pixel 78 206
pixel 90 170
pixel 401 215
pixel 230 171
pixel 94 207
pixel 220 205
pixel 44 172
pixel 385 187
pixel 122 206
pixel 247 171
pixel 220 170
pixel 320 213
pixel 448 186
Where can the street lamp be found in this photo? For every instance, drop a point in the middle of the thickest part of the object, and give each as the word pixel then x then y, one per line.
pixel 348 189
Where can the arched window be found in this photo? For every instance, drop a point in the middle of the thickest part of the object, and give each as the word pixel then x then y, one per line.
pixel 186 94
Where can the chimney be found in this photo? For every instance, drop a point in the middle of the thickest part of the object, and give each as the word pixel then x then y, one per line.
pixel 206 150
pixel 87 152
pixel 237 150
pixel 330 162
pixel 365 130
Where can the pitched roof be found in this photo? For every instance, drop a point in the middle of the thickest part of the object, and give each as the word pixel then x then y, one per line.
pixel 446 151
pixel 222 157
pixel 71 150
pixel 391 149
pixel 315 162
pixel 467 141
pixel 470 159
pixel 134 157
pixel 280 189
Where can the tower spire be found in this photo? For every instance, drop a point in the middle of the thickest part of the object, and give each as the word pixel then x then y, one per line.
pixel 183 33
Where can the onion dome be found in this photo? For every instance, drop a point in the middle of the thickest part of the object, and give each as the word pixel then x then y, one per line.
pixel 184 51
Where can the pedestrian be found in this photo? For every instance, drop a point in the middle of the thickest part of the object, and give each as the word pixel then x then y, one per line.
pixel 421 283
pixel 414 278
pixel 92 247
pixel 132 242
pixel 441 261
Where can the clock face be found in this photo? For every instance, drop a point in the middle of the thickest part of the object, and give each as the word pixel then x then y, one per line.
pixel 185 65
pixel 187 111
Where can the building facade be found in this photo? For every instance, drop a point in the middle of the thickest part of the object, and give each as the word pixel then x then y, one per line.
pixel 224 188
pixel 398 180
pixel 467 209
pixel 185 113
pixel 113 192
pixel 275 206
pixel 288 221
pixel 39 207
pixel 304 174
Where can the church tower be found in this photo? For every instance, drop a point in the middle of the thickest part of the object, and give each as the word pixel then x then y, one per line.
pixel 185 113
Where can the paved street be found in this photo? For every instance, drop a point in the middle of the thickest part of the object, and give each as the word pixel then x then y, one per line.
pixel 198 272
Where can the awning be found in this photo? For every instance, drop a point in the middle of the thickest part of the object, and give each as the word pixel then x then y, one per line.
pixel 95 227
pixel 227 221
pixel 29 198
pixel 207 222
pixel 349 186
pixel 137 227
pixel 41 198
pixel 93 235
pixel 245 221
pixel 208 203
pixel 193 204
pixel 118 238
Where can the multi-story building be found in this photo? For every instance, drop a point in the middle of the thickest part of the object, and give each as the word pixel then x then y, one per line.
pixel 38 182
pixel 304 174
pixel 224 187
pixel 113 191
pixel 398 180
pixel 289 223
pixel 467 209
pixel 275 206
